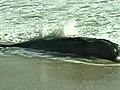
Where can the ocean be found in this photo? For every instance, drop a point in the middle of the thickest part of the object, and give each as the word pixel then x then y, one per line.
pixel 24 69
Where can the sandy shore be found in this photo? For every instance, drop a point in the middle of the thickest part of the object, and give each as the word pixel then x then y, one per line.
pixel 19 73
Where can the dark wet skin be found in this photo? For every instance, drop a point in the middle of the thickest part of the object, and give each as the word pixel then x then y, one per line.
pixel 83 47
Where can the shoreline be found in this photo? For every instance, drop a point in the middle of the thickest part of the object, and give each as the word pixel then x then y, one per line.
pixel 20 73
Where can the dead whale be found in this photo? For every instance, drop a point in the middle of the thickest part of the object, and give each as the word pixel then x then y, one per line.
pixel 82 46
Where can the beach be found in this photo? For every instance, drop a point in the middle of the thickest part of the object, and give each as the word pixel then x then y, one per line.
pixel 23 20
pixel 21 73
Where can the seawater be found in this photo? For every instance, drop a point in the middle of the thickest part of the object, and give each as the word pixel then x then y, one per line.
pixel 26 69
pixel 21 20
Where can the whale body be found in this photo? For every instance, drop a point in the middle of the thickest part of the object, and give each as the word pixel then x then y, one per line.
pixel 82 46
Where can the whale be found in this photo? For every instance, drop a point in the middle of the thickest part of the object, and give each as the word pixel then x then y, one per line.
pixel 83 47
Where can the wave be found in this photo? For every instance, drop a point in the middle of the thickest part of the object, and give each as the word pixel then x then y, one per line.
pixel 40 54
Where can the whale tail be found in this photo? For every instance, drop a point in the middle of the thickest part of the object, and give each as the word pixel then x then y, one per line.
pixel 4 45
pixel 10 45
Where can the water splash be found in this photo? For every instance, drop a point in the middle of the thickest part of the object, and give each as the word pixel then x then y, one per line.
pixel 70 30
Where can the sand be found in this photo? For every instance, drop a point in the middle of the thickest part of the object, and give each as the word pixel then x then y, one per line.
pixel 20 73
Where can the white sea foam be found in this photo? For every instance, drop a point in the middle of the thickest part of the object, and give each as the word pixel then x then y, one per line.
pixel 70 29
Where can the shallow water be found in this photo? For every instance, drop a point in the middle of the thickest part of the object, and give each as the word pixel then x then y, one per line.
pixel 19 73
pixel 22 69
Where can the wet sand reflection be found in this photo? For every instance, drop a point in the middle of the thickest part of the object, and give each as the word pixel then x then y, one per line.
pixel 19 73
pixel 77 75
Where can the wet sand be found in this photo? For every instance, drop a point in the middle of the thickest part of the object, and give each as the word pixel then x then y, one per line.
pixel 20 73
